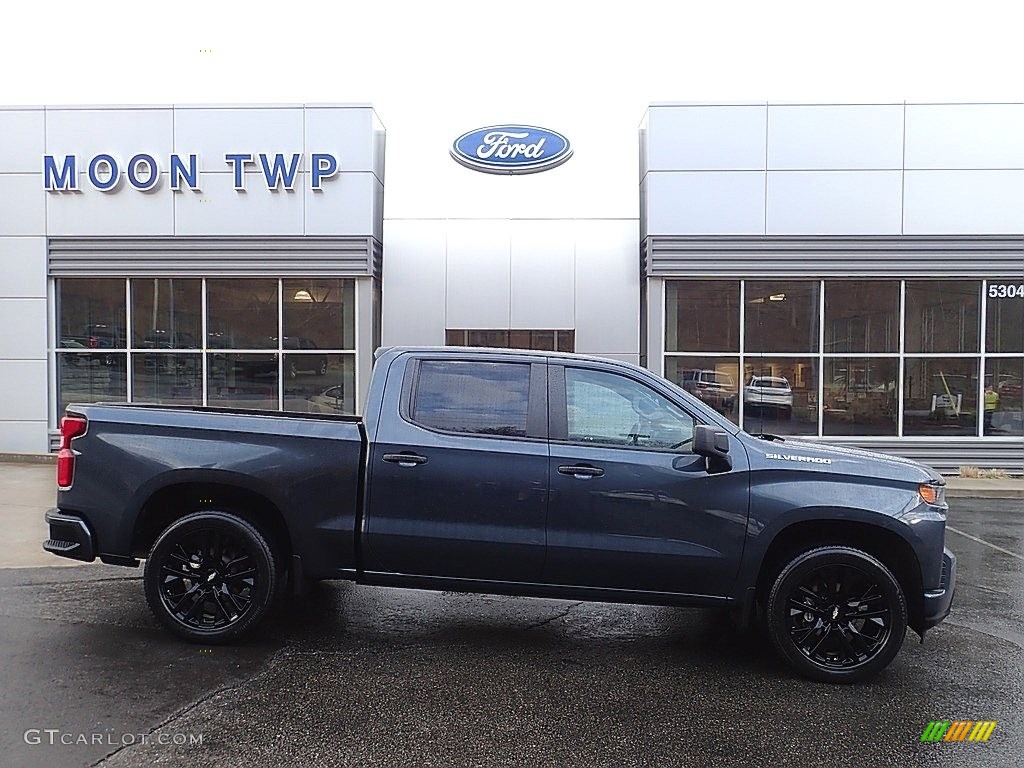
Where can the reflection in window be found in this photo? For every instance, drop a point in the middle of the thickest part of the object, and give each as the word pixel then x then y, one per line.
pixel 167 377
pixel 91 313
pixel 320 311
pixel 1004 318
pixel 702 315
pixel 166 313
pixel 320 383
pixel 713 380
pixel 242 381
pixel 472 397
pixel 862 316
pixel 860 396
pixel 608 409
pixel 781 316
pixel 241 313
pixel 90 377
pixel 940 396
pixel 1004 414
pixel 780 395
pixel 942 315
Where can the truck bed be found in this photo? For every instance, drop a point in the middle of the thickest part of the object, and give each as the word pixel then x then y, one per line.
pixel 135 459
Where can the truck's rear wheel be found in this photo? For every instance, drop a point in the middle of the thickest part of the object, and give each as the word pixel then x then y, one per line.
pixel 210 577
pixel 836 614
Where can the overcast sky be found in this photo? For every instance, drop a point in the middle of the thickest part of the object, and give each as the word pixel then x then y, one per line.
pixel 435 69
pixel 511 53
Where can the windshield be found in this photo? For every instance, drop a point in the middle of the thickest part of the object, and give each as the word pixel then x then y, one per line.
pixel 770 382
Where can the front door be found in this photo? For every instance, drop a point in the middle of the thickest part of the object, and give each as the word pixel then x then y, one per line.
pixel 458 470
pixel 631 507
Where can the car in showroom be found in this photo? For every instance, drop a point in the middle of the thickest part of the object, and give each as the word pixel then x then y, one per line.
pixel 715 388
pixel 769 392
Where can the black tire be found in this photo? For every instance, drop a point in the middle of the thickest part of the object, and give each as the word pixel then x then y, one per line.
pixel 846 633
pixel 236 577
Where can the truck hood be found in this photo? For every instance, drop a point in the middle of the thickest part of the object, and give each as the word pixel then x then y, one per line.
pixel 841 460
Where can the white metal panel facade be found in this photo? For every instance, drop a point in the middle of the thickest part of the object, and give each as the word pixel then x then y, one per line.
pixel 345 214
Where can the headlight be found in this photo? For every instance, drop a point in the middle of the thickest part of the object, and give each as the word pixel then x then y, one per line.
pixel 932 494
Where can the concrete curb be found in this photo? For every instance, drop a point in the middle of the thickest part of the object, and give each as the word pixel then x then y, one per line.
pixel 29 458
pixel 985 493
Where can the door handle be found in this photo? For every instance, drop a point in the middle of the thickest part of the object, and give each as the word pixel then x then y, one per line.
pixel 404 459
pixel 581 472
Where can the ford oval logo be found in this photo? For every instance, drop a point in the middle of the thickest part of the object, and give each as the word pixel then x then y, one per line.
pixel 511 149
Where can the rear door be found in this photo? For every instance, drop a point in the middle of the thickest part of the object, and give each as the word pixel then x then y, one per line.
pixel 458 470
pixel 631 507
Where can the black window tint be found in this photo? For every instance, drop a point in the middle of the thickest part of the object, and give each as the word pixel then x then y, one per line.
pixel 608 409
pixel 472 397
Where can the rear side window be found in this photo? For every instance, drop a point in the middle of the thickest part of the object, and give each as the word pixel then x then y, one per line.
pixel 474 398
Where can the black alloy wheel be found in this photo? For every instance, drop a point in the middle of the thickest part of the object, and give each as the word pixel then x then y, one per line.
pixel 837 614
pixel 210 577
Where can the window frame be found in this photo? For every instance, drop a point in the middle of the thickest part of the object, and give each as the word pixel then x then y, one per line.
pixel 537 396
pixel 559 409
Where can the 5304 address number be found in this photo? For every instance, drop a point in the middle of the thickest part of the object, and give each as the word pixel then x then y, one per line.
pixel 1006 291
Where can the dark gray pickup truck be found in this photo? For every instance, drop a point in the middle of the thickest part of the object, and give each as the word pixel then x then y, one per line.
pixel 511 472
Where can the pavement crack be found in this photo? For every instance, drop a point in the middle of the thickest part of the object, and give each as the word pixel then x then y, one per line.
pixel 556 617
pixel 271 662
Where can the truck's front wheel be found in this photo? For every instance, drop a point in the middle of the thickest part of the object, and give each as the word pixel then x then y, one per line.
pixel 837 614
pixel 210 577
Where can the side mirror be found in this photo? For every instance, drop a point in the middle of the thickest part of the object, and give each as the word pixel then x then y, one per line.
pixel 713 444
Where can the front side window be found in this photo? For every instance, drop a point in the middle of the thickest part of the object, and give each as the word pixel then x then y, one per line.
pixel 612 410
pixel 474 398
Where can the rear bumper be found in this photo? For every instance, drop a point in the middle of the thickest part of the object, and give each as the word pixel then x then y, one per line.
pixel 69 537
pixel 937 602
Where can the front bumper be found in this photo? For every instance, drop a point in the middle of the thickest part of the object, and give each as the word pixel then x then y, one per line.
pixel 69 536
pixel 937 602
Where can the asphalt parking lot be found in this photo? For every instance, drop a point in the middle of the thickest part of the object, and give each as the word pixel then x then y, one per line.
pixel 366 676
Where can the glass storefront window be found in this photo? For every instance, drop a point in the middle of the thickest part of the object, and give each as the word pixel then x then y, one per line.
pixel 242 381
pixel 551 341
pixel 1004 316
pixel 781 316
pixel 90 377
pixel 166 313
pixel 320 383
pixel 942 316
pixel 321 312
pixel 91 313
pixel 780 395
pixel 862 316
pixel 860 396
pixel 713 380
pixel 702 315
pixel 1004 414
pixel 940 396
pixel 167 377
pixel 241 313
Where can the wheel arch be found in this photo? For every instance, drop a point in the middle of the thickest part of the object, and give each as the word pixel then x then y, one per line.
pixel 176 494
pixel 877 540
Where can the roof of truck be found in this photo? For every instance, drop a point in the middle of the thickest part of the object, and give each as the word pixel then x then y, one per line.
pixel 500 351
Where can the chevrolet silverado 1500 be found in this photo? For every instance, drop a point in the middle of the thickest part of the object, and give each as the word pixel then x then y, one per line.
pixel 526 473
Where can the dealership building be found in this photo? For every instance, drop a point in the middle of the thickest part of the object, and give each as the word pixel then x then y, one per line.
pixel 850 273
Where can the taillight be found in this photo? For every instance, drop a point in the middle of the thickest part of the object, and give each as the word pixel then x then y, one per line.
pixel 70 428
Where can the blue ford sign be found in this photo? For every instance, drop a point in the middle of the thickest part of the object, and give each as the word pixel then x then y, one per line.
pixel 511 149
